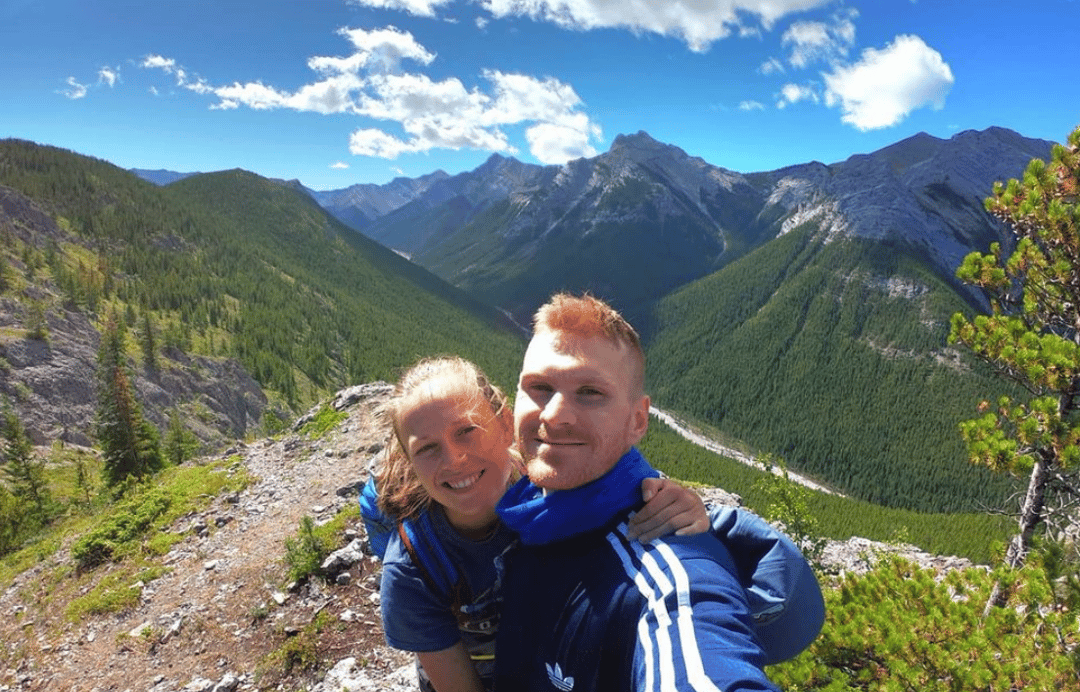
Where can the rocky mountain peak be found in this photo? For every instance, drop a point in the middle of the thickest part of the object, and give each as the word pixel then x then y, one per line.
pixel 639 138
pixel 641 145
pixel 498 164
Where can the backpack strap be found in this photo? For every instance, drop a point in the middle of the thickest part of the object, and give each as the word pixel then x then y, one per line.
pixel 439 571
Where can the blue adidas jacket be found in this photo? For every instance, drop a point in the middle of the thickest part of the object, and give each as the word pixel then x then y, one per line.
pixel 586 609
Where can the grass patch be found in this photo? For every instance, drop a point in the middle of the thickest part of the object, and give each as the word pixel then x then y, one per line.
pixel 26 557
pixel 305 552
pixel 298 653
pixel 324 421
pixel 115 592
pixel 174 493
pixel 130 534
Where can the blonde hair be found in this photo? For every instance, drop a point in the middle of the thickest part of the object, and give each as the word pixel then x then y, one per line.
pixel 401 495
pixel 588 316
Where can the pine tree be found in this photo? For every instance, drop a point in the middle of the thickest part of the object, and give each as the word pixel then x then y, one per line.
pixel 11 521
pixel 148 343
pixel 1032 337
pixel 37 324
pixel 788 505
pixel 27 474
pixel 129 444
pixel 82 478
pixel 180 443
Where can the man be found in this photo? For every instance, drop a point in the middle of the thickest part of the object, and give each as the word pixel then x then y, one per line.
pixel 584 608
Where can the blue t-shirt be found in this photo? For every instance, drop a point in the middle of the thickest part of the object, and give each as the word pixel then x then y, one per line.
pixel 415 618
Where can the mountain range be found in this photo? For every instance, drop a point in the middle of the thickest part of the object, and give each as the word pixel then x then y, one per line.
pixel 661 218
pixel 803 312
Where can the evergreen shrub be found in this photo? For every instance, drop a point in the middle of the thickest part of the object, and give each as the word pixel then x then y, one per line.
pixel 902 627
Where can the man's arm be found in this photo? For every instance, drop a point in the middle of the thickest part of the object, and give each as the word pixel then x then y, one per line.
pixel 695 631
pixel 782 590
pixel 785 598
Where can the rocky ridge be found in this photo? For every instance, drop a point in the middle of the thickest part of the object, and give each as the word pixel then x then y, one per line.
pixel 359 205
pixel 210 623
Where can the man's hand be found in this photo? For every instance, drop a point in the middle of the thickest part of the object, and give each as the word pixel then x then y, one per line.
pixel 669 508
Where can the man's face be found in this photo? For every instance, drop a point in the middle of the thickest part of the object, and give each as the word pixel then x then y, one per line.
pixel 576 411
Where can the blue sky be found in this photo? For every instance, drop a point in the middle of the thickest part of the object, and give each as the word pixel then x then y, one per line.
pixel 338 92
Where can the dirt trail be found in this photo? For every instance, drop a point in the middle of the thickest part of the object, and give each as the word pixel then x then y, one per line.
pixel 702 441
pixel 213 618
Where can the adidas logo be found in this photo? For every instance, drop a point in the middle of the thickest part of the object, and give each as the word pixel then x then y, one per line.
pixel 556 676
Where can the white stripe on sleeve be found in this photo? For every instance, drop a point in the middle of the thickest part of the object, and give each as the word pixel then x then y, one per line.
pixel 655 589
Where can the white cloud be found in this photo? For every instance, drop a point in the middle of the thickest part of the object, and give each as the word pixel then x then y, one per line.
pixel 420 8
pixel 696 22
pixel 159 62
pixel 199 86
pixel 886 85
pixel 108 75
pixel 482 22
pixel 74 90
pixel 520 98
pixel 445 114
pixel 254 95
pixel 794 93
pixel 424 113
pixel 378 50
pixel 561 142
pixel 751 106
pixel 771 66
pixel 820 41
pixel 339 165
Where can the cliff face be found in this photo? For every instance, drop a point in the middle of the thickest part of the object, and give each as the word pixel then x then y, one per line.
pixel 50 383
pixel 923 192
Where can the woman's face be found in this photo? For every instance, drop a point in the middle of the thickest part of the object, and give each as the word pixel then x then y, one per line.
pixel 460 450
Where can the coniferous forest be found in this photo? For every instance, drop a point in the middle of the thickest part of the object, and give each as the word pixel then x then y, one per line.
pixel 232 264
pixel 859 390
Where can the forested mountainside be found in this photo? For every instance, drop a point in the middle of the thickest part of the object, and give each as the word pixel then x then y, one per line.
pixel 827 344
pixel 803 311
pixel 832 356
pixel 223 266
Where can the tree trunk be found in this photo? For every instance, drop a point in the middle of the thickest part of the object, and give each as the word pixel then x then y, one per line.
pixel 1030 515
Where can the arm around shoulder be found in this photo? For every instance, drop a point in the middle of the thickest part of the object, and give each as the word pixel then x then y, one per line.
pixel 699 635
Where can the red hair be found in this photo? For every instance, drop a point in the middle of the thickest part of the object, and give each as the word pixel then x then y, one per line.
pixel 588 316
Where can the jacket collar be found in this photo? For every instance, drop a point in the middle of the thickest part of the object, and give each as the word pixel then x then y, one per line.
pixel 540 519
